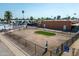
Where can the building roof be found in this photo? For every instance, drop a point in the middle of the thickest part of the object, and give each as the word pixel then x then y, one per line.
pixel 59 20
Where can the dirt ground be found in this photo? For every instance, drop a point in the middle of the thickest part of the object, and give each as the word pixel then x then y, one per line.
pixel 53 41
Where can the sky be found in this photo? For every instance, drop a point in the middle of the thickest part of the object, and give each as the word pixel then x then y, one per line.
pixel 40 9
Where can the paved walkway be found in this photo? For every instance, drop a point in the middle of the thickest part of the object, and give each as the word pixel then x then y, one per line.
pixel 14 48
pixel 75 44
pixel 4 50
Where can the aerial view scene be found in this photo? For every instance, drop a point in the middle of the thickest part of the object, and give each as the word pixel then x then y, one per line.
pixel 39 29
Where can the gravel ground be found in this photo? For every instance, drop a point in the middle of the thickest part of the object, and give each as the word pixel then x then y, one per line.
pixel 53 41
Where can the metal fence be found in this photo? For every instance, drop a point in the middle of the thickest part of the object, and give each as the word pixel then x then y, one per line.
pixel 35 49
pixel 69 42
pixel 30 47
pixel 72 52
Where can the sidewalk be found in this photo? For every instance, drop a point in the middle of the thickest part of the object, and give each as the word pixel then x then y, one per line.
pixel 4 50
pixel 14 48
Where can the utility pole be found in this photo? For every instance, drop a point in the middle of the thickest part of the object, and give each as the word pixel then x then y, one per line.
pixel 23 13
pixel 75 15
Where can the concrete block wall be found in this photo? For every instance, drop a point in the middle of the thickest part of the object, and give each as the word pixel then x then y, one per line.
pixel 57 24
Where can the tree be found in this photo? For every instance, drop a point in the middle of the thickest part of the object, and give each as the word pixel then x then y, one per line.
pixel 42 18
pixel 73 18
pixel 8 16
pixel 54 18
pixel 68 17
pixel 0 19
pixel 48 18
pixel 38 18
pixel 31 18
pixel 58 17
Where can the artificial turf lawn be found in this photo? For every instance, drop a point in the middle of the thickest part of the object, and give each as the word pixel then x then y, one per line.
pixel 45 33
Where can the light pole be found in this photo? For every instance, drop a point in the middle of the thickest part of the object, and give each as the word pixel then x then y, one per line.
pixel 74 15
pixel 23 13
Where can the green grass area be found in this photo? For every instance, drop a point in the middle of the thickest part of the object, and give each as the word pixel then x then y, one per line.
pixel 45 33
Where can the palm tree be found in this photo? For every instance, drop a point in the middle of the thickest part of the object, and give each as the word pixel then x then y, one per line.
pixel 8 16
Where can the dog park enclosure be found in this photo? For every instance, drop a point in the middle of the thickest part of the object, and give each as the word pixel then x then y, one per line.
pixel 35 43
